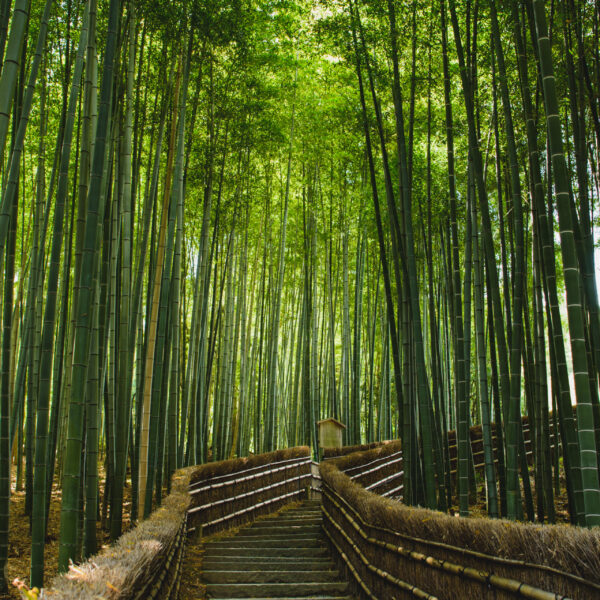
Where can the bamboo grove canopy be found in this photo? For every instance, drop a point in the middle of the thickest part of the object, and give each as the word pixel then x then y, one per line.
pixel 222 221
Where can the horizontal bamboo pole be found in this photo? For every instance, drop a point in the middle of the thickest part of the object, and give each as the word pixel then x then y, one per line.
pixel 392 491
pixel 214 486
pixel 248 509
pixel 403 585
pixel 268 467
pixel 503 583
pixel 387 479
pixel 382 459
pixel 248 494
pixel 352 569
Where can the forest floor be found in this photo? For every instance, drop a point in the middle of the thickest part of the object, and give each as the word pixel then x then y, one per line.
pixel 19 549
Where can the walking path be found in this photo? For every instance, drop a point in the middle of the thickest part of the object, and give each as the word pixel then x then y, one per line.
pixel 284 557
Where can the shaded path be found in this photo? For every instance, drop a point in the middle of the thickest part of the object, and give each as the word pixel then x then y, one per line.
pixel 283 557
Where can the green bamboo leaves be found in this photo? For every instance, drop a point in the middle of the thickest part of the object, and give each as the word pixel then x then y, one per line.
pixel 199 261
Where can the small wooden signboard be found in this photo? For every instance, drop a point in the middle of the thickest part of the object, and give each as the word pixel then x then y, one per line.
pixel 330 433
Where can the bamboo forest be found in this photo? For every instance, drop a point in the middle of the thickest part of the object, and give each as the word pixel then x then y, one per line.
pixel 224 221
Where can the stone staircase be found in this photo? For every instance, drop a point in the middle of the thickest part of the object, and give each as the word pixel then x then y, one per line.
pixel 284 557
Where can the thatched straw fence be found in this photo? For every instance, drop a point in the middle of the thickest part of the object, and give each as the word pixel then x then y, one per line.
pixel 345 450
pixel 234 492
pixel 145 563
pixel 393 551
pixel 394 446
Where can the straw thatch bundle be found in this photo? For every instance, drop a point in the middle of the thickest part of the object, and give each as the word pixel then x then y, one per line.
pixel 345 450
pixel 143 563
pixel 231 493
pixel 558 558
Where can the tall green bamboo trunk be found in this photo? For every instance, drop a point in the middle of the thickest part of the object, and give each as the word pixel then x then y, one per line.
pixel 402 403
pixel 542 223
pixel 345 368
pixel 355 436
pixel 456 298
pixel 95 204
pixel 152 351
pixel 572 275
pixel 123 374
pixel 135 304
pixel 47 346
pixel 478 174
pixel 8 83
pixel 513 412
pixel 174 386
pixel 272 400
pixel 488 447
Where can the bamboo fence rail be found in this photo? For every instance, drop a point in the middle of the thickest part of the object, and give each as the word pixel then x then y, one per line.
pixel 393 551
pixel 146 562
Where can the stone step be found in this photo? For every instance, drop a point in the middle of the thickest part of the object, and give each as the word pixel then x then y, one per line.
pixel 291 520
pixel 336 597
pixel 280 532
pixel 267 542
pixel 294 516
pixel 285 518
pixel 275 590
pixel 286 563
pixel 285 524
pixel 234 553
pixel 283 557
pixel 260 577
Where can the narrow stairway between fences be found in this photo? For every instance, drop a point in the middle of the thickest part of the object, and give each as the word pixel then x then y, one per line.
pixel 283 557
pixel 227 512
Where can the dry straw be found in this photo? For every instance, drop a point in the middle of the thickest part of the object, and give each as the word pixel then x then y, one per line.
pixel 146 562
pixel 558 558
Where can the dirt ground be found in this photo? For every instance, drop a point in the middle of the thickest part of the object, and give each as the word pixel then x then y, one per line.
pixel 19 550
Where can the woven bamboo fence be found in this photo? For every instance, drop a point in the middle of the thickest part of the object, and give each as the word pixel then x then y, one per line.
pixel 234 492
pixel 386 479
pixel 146 562
pixel 393 551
